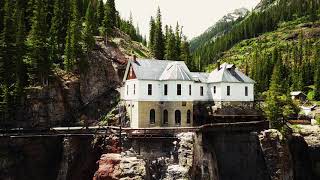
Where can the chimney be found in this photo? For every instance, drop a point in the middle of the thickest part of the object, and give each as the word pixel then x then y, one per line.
pixel 218 65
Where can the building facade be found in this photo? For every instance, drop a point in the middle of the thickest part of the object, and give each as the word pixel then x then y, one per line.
pixel 160 93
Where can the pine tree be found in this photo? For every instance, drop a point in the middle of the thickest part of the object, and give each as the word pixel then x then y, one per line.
pixel 178 42
pixel 100 13
pixel 88 31
pixel 152 34
pixel 158 39
pixel 20 69
pixel 317 74
pixel 170 53
pixel 110 18
pixel 1 15
pixel 57 32
pixel 7 60
pixel 74 38
pixel 39 63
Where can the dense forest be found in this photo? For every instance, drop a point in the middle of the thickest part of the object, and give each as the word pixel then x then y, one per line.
pixel 37 36
pixel 277 45
pixel 170 44
pixel 255 24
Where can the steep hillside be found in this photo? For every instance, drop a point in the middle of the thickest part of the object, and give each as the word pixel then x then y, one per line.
pixel 220 28
pixel 267 17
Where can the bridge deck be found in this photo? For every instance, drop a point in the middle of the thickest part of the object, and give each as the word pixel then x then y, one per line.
pixel 165 132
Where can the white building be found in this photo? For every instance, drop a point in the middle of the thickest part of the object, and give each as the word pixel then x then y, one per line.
pixel 160 93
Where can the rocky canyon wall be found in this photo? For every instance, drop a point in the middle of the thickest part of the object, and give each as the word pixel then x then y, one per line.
pixel 207 156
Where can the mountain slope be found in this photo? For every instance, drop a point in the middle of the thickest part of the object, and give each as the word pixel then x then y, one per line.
pixel 220 28
pixel 265 18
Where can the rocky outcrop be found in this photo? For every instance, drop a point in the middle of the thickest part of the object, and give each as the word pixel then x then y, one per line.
pixel 276 154
pixel 120 167
pixel 78 98
pixel 305 149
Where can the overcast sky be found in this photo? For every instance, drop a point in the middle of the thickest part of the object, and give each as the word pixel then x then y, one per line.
pixel 194 15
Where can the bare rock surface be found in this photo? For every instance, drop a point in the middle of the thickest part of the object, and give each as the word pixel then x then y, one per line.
pixel 277 155
pixel 114 166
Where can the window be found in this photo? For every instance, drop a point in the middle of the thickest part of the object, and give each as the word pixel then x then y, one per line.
pixel 201 90
pixel 152 116
pixel 165 117
pixel 214 89
pixel 228 90
pixel 149 89
pixel 179 89
pixel 127 89
pixel 190 90
pixel 184 103
pixel 246 91
pixel 166 89
pixel 134 89
pixel 177 116
pixel 189 117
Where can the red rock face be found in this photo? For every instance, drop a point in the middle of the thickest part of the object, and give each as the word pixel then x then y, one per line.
pixel 109 167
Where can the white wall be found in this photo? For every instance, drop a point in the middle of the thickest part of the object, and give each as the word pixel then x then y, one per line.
pixel 237 92
pixel 157 91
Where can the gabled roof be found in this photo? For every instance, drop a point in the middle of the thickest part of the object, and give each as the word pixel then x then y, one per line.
pixel 228 73
pixel 150 69
pixel 176 70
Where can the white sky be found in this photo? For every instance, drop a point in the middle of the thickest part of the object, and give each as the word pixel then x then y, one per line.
pixel 194 15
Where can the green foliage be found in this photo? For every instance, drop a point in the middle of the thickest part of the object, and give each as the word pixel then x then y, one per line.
pixel 100 13
pixel 158 46
pixel 277 104
pixel 255 24
pixel 318 120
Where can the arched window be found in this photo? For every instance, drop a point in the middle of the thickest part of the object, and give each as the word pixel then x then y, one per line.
pixel 188 116
pixel 152 116
pixel 165 117
pixel 177 117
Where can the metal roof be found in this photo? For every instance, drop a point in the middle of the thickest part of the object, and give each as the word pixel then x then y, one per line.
pixel 176 70
pixel 200 76
pixel 150 69
pixel 228 73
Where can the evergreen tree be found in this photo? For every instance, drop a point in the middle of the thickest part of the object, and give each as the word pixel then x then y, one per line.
pixel 57 32
pixel 100 13
pixel 88 31
pixel 74 38
pixel 277 104
pixel 152 34
pixel 317 74
pixel 110 18
pixel 158 38
pixel 39 63
pixel 178 42
pixel 170 53
pixel 7 61
pixel 20 69
pixel 1 15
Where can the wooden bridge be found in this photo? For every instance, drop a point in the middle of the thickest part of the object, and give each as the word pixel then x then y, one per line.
pixel 166 132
